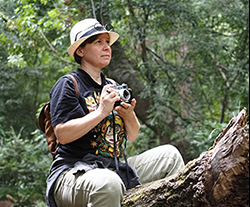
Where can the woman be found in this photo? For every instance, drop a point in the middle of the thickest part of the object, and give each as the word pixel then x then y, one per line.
pixel 86 171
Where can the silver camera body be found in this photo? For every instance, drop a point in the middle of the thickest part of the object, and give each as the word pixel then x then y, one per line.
pixel 124 93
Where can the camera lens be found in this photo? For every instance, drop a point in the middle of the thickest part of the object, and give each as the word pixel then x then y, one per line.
pixel 126 96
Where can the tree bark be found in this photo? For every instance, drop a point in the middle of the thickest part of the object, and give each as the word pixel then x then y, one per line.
pixel 218 177
pixel 122 70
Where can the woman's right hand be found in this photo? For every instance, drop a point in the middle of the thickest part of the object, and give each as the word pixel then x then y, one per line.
pixel 107 100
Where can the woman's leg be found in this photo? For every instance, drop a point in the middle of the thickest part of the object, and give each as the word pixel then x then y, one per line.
pixel 157 163
pixel 95 188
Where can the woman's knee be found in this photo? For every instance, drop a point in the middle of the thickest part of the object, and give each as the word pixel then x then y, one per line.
pixel 171 150
pixel 104 181
pixel 175 159
pixel 157 163
pixel 107 184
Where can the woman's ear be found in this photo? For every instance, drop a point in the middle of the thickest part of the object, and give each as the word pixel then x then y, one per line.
pixel 79 51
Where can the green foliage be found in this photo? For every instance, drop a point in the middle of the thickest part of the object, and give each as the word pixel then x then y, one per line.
pixel 23 167
pixel 145 140
pixel 192 56
pixel 29 68
pixel 199 137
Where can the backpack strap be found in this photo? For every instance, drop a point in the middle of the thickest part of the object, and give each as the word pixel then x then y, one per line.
pixel 75 84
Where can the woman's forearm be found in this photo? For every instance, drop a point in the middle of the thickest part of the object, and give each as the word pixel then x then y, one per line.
pixel 74 129
pixel 132 127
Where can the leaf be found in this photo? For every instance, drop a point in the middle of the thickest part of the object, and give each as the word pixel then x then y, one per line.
pixel 16 61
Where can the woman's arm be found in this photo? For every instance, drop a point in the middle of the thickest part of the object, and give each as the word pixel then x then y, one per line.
pixel 74 129
pixel 132 125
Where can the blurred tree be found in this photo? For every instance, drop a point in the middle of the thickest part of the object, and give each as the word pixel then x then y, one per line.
pixel 186 61
pixel 184 67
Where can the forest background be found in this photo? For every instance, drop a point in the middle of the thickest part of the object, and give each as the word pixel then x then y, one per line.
pixel 187 62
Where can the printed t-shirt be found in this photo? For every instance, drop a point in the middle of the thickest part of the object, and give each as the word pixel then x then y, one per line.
pixel 65 106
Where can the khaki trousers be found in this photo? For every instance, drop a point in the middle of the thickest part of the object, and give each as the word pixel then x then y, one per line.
pixel 104 188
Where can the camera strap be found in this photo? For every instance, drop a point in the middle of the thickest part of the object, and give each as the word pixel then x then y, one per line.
pixel 115 154
pixel 114 140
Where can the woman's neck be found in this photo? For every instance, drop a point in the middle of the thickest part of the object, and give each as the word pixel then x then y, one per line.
pixel 95 73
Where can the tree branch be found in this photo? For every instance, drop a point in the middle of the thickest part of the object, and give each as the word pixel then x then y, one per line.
pixel 55 51
pixel 93 7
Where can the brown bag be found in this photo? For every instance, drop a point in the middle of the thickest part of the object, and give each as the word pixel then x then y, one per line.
pixel 46 124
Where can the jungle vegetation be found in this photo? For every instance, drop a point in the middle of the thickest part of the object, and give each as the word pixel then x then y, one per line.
pixel 187 61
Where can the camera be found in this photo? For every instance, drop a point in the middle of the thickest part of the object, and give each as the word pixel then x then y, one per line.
pixel 124 93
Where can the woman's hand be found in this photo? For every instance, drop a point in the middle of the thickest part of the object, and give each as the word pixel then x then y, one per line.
pixel 108 98
pixel 126 110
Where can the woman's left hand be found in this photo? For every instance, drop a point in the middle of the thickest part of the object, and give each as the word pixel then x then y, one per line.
pixel 125 110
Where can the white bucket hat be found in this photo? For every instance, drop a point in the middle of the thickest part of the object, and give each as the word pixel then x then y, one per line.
pixel 86 28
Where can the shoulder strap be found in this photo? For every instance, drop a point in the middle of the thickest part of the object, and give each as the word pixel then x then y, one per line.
pixel 75 84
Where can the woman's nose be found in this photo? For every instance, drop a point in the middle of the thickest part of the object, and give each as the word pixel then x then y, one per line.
pixel 106 46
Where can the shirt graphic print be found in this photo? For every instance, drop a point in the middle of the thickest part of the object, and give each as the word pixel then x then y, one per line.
pixel 103 139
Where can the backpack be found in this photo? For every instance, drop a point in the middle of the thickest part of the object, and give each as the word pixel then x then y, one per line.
pixel 45 123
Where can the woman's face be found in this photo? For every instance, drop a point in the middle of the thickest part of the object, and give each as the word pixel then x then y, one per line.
pixel 98 53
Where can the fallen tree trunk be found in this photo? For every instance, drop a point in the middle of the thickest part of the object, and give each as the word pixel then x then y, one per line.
pixel 218 177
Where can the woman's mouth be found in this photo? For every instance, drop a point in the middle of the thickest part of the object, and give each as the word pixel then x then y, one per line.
pixel 106 56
